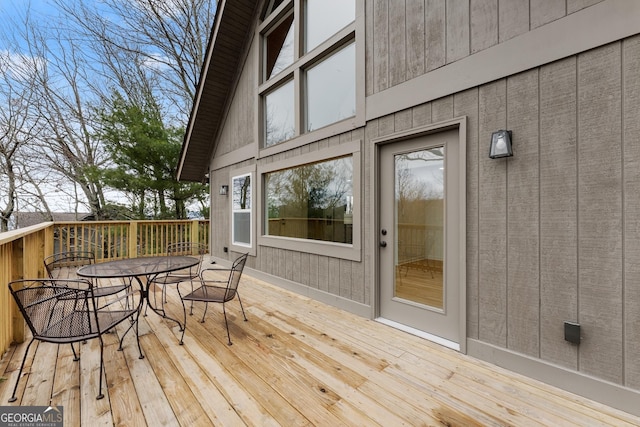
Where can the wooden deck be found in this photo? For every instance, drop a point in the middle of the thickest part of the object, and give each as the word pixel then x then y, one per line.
pixel 296 362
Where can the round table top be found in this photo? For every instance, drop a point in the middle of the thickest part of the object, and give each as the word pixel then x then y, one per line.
pixel 137 266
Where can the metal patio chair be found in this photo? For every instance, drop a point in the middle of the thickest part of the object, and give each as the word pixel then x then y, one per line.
pixel 64 311
pixel 197 250
pixel 63 265
pixel 215 288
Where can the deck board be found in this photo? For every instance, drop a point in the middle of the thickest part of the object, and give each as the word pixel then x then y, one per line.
pixel 297 362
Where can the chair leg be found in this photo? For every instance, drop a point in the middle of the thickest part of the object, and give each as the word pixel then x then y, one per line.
pixel 245 316
pixel 75 355
pixel 206 306
pixel 101 372
pixel 13 397
pixel 226 323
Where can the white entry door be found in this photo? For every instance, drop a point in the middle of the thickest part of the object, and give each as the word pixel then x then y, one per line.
pixel 421 227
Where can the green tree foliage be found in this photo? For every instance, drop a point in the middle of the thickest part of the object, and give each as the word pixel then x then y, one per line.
pixel 144 152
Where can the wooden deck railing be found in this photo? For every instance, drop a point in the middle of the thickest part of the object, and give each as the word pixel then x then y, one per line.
pixel 22 252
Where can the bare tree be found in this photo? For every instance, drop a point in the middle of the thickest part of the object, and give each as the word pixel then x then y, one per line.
pixel 18 126
pixel 166 40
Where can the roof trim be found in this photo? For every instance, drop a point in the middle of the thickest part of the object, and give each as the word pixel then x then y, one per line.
pixel 226 46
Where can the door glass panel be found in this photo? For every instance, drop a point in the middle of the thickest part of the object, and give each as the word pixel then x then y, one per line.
pixel 419 222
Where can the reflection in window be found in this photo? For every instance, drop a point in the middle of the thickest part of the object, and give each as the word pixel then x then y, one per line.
pixel 313 201
pixel 279 53
pixel 241 210
pixel 331 89
pixel 324 18
pixel 279 115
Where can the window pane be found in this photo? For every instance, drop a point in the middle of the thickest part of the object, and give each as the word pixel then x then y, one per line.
pixel 280 48
pixel 242 228
pixel 242 192
pixel 313 201
pixel 324 18
pixel 279 115
pixel 331 89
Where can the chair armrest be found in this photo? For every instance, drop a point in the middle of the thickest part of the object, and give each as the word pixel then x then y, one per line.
pixel 215 270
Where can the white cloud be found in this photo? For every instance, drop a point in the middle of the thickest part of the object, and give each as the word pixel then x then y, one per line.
pixel 20 66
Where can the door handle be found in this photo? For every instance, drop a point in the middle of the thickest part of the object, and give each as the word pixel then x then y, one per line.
pixel 383 244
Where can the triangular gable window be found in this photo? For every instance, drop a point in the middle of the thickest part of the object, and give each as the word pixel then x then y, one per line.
pixel 280 47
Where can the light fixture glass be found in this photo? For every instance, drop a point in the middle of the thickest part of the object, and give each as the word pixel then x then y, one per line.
pixel 500 144
pixel 224 190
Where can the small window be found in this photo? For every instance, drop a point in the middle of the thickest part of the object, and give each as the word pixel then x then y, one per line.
pixel 312 201
pixel 324 18
pixel 331 89
pixel 279 115
pixel 241 210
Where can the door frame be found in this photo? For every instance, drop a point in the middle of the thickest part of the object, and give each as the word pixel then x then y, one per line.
pixel 459 123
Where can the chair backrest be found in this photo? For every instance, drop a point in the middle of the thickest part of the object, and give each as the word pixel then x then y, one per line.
pixel 234 276
pixel 58 311
pixel 187 248
pixel 193 249
pixel 63 265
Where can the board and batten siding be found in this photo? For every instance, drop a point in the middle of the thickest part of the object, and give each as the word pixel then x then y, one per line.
pixel 407 38
pixel 553 232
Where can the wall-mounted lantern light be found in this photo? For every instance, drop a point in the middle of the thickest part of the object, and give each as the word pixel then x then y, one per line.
pixel 500 144
pixel 224 190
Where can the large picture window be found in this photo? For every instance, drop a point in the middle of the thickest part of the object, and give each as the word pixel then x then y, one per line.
pixel 308 67
pixel 312 201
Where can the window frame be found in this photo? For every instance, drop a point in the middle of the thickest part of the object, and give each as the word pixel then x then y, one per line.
pixel 348 251
pixel 239 247
pixel 352 33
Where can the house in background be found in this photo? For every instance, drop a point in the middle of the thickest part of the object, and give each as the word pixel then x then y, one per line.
pixel 347 145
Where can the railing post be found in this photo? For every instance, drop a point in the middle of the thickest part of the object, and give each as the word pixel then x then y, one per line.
pixel 18 331
pixel 133 239
pixel 195 231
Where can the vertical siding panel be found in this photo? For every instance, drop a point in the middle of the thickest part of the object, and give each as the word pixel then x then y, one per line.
pixel 305 268
pixel 402 120
pixel 600 212
pixel 313 271
pixel 323 273
pixel 422 115
pixel 484 24
pixel 334 276
pixel 631 138
pixel 523 216
pixel 558 211
pixel 415 38
pixel 492 244
pixel 513 18
pixel 545 11
pixel 442 109
pixel 296 264
pixel 435 55
pixel 466 104
pixel 345 280
pixel 380 46
pixel 369 48
pixel 397 42
pixel 457 30
pixel 358 282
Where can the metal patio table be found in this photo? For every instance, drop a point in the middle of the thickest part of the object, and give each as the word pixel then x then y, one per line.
pixel 136 269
